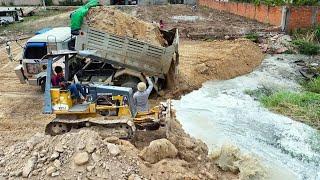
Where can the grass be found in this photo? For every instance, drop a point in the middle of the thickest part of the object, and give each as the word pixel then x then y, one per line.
pixel 25 27
pixel 312 85
pixel 306 47
pixel 303 106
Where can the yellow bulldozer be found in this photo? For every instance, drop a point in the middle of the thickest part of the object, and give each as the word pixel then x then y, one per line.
pixel 108 107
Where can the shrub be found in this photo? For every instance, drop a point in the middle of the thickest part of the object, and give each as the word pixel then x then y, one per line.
pixel 305 47
pixel 253 37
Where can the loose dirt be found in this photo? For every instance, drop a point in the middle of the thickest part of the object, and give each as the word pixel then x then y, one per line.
pixel 201 61
pixel 122 24
pixel 204 23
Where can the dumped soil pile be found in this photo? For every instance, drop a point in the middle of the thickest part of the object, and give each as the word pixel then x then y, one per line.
pixel 86 154
pixel 216 60
pixel 116 22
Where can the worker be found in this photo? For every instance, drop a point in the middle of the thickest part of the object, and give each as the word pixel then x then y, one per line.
pixel 78 15
pixel 59 81
pixel 140 98
pixel 9 52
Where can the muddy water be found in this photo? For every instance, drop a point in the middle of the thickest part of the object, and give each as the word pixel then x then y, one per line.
pixel 220 112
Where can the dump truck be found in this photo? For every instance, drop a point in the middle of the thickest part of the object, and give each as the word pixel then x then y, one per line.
pixel 118 60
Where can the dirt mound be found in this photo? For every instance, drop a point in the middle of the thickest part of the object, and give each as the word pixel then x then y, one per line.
pixel 216 60
pixel 86 154
pixel 116 22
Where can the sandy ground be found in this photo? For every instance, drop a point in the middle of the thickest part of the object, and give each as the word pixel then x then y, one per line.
pixel 208 23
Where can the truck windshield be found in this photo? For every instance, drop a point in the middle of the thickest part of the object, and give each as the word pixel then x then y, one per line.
pixel 35 50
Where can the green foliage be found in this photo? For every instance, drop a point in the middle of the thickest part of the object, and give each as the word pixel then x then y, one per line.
pixel 305 47
pixel 303 106
pixel 3 4
pixel 48 2
pixel 281 2
pixel 11 4
pixel 312 85
pixel 253 37
pixel 317 33
pixel 304 2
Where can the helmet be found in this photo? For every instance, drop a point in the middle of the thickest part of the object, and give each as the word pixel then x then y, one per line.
pixel 141 86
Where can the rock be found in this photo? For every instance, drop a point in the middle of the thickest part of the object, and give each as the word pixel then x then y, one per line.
pixel 158 150
pixel 81 158
pixel 51 170
pixel 90 168
pixel 134 177
pixel 57 163
pixel 226 37
pixel 28 167
pixel 112 139
pixel 81 146
pixel 227 158
pixel 18 173
pixel 90 147
pixel 202 68
pixel 96 157
pixel 54 156
pixel 113 149
pixel 59 148
pixel 55 174
pixel 2 163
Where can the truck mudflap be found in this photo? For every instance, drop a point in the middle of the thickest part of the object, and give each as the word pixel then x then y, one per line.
pixel 19 72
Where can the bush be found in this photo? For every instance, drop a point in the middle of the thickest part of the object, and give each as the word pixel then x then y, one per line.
pixel 305 47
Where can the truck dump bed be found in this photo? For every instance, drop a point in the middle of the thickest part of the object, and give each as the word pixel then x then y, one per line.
pixel 128 52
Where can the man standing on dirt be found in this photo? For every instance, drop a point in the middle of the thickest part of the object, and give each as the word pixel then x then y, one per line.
pixel 140 98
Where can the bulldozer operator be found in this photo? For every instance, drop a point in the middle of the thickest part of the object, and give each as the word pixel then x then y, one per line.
pixel 140 98
pixel 59 81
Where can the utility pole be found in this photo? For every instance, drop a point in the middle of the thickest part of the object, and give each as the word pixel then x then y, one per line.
pixel 44 4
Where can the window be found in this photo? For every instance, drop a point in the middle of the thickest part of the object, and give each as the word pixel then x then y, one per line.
pixel 35 52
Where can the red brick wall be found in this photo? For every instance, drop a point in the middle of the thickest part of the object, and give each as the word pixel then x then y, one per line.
pixel 299 17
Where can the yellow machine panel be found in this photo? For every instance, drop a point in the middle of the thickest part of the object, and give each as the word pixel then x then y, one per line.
pixel 61 99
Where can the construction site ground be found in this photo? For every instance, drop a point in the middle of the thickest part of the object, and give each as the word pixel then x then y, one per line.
pixel 21 105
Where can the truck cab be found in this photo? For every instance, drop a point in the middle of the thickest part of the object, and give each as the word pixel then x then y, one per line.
pixel 32 68
pixel 9 15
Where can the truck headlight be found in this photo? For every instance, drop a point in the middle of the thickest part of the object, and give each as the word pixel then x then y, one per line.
pixel 33 68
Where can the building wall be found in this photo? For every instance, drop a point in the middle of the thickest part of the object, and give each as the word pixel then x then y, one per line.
pixel 297 17
pixel 20 2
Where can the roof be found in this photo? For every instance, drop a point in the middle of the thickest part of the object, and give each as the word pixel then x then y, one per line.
pixel 59 34
pixel 6 9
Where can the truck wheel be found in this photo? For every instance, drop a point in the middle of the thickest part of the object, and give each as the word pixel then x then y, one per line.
pixel 132 83
pixel 43 85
